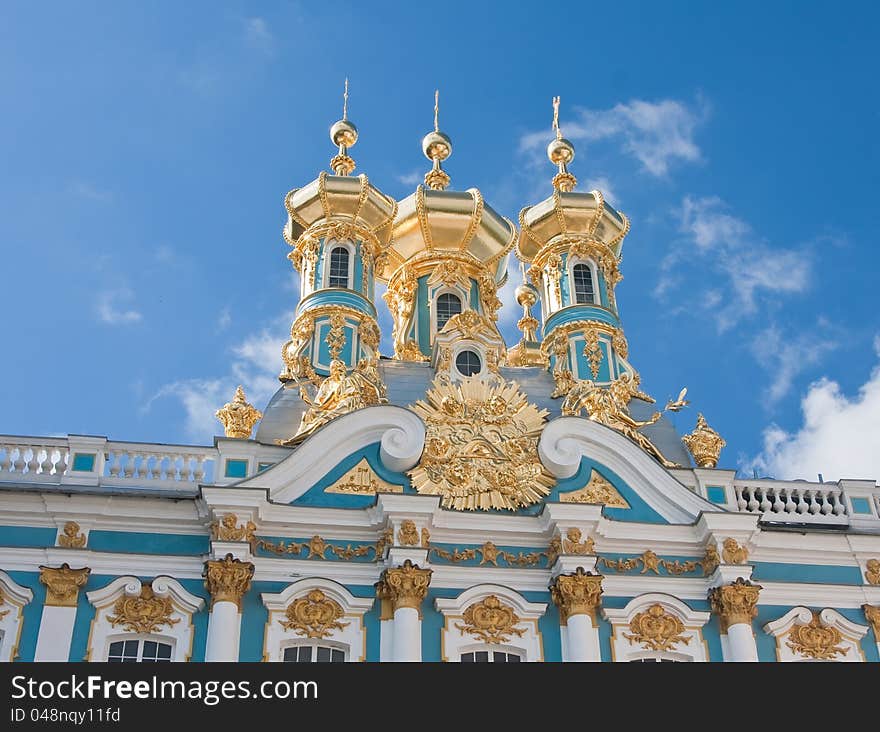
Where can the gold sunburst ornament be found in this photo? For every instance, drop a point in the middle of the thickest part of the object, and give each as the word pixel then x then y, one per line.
pixel 481 446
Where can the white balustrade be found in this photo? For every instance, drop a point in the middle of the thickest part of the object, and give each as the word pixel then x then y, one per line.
pixel 49 460
pixel 811 503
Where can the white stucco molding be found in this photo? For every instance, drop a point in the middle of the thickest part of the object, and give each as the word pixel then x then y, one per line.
pixel 457 641
pixel 626 647
pixel 13 598
pixel 566 440
pixel 850 635
pixel 178 634
pixel 400 432
pixel 348 636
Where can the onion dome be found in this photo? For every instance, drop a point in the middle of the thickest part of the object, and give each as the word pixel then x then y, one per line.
pixel 435 222
pixel 567 213
pixel 340 198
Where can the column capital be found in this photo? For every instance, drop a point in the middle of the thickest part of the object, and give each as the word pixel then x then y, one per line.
pixel 228 579
pixel 577 594
pixel 872 614
pixel 62 584
pixel 405 586
pixel 735 603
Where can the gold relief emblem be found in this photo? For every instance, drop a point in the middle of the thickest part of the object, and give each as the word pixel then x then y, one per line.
pixel 362 480
pixel 426 538
pixel 481 446
pixel 238 417
pixel 143 614
pixel 816 640
pixel 597 490
pixel 227 579
pixel 70 536
pixel 872 615
pixel 62 584
pixel 872 571
pixel 577 594
pixel 408 534
pixel 314 616
pixel 704 444
pixel 656 629
pixel 491 621
pixel 733 553
pixel 227 529
pixel 573 544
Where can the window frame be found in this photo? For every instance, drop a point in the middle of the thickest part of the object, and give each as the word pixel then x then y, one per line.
pixel 594 279
pixel 314 644
pixel 141 639
pixel 329 247
pixel 436 308
pixel 15 597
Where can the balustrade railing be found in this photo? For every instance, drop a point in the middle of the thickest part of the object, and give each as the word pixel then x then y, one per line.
pixel 792 503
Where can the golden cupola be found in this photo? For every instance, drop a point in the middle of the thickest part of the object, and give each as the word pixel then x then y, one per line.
pixel 448 254
pixel 339 227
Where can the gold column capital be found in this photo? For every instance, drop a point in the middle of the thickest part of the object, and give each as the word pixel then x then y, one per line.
pixel 577 594
pixel 405 586
pixel 735 603
pixel 62 584
pixel 228 579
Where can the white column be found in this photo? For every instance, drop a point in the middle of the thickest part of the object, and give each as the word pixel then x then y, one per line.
pixel 59 611
pixel 224 628
pixel 227 580
pixel 405 587
pixel 407 643
pixel 741 643
pixel 578 596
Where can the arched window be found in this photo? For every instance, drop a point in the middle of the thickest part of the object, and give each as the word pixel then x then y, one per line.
pixel 139 651
pixel 490 656
pixel 584 292
pixel 313 653
pixel 338 276
pixel 447 306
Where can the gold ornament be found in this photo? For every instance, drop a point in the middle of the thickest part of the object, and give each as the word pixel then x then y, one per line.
pixel 491 621
pixel 577 594
pixel 593 351
pixel 573 544
pixel 362 480
pixel 610 406
pixel 314 616
pixel 735 603
pixel 651 562
pixel 872 614
pixel 408 534
pixel 704 444
pixel 70 537
pixel 340 393
pixel 238 417
pixel 386 539
pixel 228 579
pixel 145 613
pixel 336 335
pixel 481 446
pixel 656 629
pixel 597 490
pixel 317 548
pixel 733 553
pixel 426 538
pixel 711 560
pixel 489 554
pixel 872 571
pixel 407 585
pixel 816 640
pixel 3 613
pixel 227 529
pixel 62 584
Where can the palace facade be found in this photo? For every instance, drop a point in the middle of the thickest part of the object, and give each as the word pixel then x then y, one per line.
pixel 458 500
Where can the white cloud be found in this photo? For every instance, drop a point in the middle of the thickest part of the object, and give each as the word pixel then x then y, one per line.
pixel 657 134
pixel 258 36
pixel 413 178
pixel 87 190
pixel 838 437
pixel 727 246
pixel 605 187
pixel 224 319
pixel 111 312
pixel 255 365
pixel 786 358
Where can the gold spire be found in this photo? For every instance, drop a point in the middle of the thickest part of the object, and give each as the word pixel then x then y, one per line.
pixel 344 134
pixel 527 352
pixel 238 417
pixel 437 147
pixel 561 153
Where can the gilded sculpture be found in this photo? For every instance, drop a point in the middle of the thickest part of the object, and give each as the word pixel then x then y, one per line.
pixel 574 544
pixel 577 594
pixel 491 621
pixel 872 571
pixel 480 446
pixel 362 480
pixel 735 603
pixel 704 444
pixel 228 579
pixel 656 629
pixel 145 613
pixel 872 615
pixel 610 406
pixel 238 417
pixel 597 490
pixel 3 613
pixel 340 392
pixel 227 529
pixel 732 552
pixel 313 616
pixel 816 640
pixel 405 586
pixel 70 536
pixel 408 535
pixel 63 584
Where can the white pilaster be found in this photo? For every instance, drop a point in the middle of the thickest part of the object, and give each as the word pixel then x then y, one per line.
pixel 407 636
pixel 741 646
pixel 56 633
pixel 224 629
pixel 582 639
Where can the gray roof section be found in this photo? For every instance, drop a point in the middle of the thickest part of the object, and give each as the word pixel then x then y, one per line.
pixel 408 382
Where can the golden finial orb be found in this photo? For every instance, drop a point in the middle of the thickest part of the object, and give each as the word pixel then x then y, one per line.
pixel 560 151
pixel 526 295
pixel 344 135
pixel 437 147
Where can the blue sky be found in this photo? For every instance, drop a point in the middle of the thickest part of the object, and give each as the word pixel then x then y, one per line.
pixel 146 150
